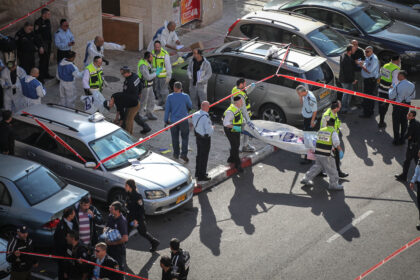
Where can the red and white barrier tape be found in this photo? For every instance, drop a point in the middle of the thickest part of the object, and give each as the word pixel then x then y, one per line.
pixel 74 259
pixel 25 16
pixel 55 137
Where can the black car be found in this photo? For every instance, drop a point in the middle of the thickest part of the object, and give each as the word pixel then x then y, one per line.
pixel 360 21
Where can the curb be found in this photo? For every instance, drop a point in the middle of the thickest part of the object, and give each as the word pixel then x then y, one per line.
pixel 223 172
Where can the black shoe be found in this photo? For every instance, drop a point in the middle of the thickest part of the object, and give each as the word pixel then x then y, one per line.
pixel 418 227
pixel 401 142
pixel 342 174
pixel 176 157
pixel 184 158
pixel 401 177
pixel 321 174
pixel 155 244
pixel 145 130
pixel 203 178
pixel 381 124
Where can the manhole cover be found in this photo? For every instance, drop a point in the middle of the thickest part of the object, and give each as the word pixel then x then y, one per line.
pixel 111 79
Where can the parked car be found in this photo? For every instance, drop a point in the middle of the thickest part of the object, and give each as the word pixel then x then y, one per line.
pixel 303 32
pixel 404 10
pixel 4 265
pixel 164 184
pixel 360 21
pixel 32 195
pixel 274 99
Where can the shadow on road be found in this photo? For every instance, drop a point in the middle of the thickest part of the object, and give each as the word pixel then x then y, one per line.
pixel 210 233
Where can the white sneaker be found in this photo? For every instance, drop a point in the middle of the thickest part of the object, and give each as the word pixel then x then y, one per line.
pixel 336 188
pixel 307 182
pixel 248 148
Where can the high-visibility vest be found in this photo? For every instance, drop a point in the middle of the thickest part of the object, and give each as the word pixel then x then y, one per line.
pixel 386 76
pixel 330 113
pixel 238 118
pixel 245 95
pixel 95 80
pixel 149 67
pixel 324 142
pixel 159 61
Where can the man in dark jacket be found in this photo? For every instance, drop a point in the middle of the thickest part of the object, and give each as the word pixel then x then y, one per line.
pixel 43 30
pixel 21 263
pixel 7 138
pixel 167 272
pixel 127 108
pixel 103 259
pixel 136 213
pixel 65 225
pixel 27 43
pixel 87 218
pixel 347 77
pixel 180 259
pixel 413 146
pixel 76 269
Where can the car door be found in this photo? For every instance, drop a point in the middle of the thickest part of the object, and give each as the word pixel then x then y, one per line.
pixel 26 135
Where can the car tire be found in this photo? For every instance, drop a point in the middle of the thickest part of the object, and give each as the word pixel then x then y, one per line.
pixel 117 195
pixel 7 232
pixel 272 112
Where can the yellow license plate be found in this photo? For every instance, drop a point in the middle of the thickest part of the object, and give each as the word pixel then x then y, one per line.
pixel 324 94
pixel 181 198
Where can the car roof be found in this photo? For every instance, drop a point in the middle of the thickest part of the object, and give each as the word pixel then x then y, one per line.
pixel 346 6
pixel 13 168
pixel 68 121
pixel 287 20
pixel 297 61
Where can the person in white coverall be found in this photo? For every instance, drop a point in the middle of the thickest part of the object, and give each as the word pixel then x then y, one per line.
pixel 167 37
pixel 12 89
pixel 32 89
pixel 199 72
pixel 96 48
pixel 67 73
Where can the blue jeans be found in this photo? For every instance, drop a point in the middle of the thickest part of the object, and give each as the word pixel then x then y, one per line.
pixel 185 131
pixel 345 101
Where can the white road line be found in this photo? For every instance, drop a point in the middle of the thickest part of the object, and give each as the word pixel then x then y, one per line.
pixel 349 226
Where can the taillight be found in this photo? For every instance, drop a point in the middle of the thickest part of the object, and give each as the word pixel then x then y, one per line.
pixel 233 26
pixel 51 225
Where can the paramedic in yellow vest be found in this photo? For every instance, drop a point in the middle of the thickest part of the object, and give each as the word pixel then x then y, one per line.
pixel 327 142
pixel 232 122
pixel 93 76
pixel 161 60
pixel 239 90
pixel 389 76
pixel 332 112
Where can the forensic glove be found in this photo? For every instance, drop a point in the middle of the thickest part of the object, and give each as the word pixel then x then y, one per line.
pixel 237 128
pixel 158 70
pixel 341 154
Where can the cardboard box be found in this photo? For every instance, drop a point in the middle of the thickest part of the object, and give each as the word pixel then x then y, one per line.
pixel 197 45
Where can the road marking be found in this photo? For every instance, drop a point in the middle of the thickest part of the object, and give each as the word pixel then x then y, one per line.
pixel 349 226
pixel 132 233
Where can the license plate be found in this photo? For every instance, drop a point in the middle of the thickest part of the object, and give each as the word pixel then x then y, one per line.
pixel 181 198
pixel 324 94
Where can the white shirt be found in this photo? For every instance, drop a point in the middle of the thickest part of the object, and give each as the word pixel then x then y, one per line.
pixel 165 37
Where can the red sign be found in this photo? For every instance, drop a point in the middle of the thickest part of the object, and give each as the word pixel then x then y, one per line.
pixel 190 10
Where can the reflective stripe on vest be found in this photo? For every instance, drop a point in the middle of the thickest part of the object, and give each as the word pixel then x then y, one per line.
pixel 386 75
pixel 95 80
pixel 324 142
pixel 144 62
pixel 159 61
pixel 245 95
pixel 329 113
pixel 238 118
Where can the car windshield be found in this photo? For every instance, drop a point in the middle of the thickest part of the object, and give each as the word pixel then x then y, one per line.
pixel 39 185
pixel 115 142
pixel 371 20
pixel 330 42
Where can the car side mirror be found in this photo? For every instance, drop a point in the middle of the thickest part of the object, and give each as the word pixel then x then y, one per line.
pixel 416 7
pixel 90 164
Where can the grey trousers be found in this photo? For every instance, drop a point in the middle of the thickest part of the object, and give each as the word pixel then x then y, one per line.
pixel 161 90
pixel 147 101
pixel 326 164
pixel 198 94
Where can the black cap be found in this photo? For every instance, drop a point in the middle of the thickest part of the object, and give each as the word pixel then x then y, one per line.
pixel 236 98
pixel 125 69
pixel 106 105
pixel 22 229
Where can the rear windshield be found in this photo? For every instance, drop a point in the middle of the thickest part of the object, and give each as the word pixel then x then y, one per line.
pixel 39 185
pixel 320 74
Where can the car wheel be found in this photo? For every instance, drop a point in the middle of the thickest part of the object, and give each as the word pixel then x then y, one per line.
pixel 273 113
pixel 117 195
pixel 7 232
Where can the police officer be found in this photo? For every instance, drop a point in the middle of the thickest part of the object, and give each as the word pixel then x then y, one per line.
pixel 132 86
pixel 136 213
pixel 147 75
pixel 32 89
pixel 203 130
pixel 27 44
pixel 77 250
pixel 102 259
pixel 21 263
pixel 389 76
pixel 180 259
pixel 161 60
pixel 240 90
pixel 332 112
pixel 43 30
pixel 64 40
pixel 403 92
pixel 327 140
pixel 370 74
pixel 67 73
pixel 232 122
pixel 413 136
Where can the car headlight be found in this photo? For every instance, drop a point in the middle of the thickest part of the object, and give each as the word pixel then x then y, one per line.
pixel 190 179
pixel 154 194
pixel 412 53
